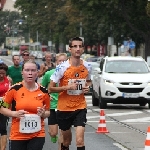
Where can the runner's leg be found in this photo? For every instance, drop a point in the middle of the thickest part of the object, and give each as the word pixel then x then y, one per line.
pixel 18 144
pixel 53 131
pixel 65 121
pixel 36 143
pixel 67 138
pixel 60 140
pixel 3 142
pixel 80 137
pixel 53 126
pixel 3 132
pixel 79 123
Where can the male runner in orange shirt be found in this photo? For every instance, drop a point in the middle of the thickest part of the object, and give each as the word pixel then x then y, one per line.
pixel 74 78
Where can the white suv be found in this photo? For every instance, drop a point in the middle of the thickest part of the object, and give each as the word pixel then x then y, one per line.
pixel 122 80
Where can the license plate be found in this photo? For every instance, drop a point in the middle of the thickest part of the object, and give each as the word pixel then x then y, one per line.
pixel 130 95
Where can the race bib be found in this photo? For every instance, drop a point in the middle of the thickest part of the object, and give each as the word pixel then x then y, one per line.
pixel 78 91
pixel 30 123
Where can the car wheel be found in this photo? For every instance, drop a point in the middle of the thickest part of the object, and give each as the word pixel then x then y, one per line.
pixel 102 104
pixel 94 99
pixel 142 104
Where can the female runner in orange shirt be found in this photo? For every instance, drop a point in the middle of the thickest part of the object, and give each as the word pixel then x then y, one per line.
pixel 30 104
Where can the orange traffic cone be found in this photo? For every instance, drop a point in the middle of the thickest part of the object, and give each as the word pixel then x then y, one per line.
pixel 147 142
pixel 102 123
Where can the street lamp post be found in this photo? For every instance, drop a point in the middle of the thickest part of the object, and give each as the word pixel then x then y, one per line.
pixel 80 29
pixel 37 38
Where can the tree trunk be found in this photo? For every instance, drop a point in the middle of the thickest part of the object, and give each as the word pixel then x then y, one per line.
pixel 147 47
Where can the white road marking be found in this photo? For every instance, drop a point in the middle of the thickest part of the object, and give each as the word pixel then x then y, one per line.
pixel 88 110
pixel 91 117
pixel 97 109
pixel 98 121
pixel 88 101
pixel 88 96
pixel 89 105
pixel 8 60
pixel 145 119
pixel 121 132
pixel 124 114
pixel 147 110
pixel 120 146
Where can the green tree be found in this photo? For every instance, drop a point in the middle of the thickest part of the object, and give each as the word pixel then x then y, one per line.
pixel 120 17
pixel 8 24
pixel 60 20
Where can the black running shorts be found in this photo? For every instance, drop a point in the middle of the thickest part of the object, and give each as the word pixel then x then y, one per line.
pixel 3 124
pixel 35 143
pixel 68 118
pixel 52 120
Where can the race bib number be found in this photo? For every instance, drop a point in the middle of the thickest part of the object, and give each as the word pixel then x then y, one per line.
pixel 80 84
pixel 30 123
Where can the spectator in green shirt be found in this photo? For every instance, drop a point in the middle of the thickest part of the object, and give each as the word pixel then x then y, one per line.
pixel 52 121
pixel 14 71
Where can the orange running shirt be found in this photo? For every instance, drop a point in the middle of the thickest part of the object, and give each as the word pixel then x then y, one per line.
pixel 69 100
pixel 20 98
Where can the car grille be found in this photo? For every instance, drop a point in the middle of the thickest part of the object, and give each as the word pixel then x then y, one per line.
pixel 131 90
pixel 129 83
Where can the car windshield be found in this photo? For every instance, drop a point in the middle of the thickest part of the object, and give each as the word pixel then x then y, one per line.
pixel 126 66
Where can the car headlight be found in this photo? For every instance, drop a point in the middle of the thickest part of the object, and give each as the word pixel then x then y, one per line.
pixel 108 81
pixel 148 83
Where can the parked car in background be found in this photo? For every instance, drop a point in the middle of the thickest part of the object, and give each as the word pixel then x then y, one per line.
pixel 99 59
pixel 122 80
pixel 85 56
pixel 39 55
pixel 95 69
pixel 3 52
pixel 35 53
pixel 92 59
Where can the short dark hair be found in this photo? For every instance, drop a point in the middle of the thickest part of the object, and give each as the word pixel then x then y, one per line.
pixel 75 39
pixel 14 56
pixel 3 66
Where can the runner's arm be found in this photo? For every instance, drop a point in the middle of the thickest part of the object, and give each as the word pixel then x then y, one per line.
pixel 45 81
pixel 41 71
pixel 7 112
pixel 46 114
pixel 53 89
